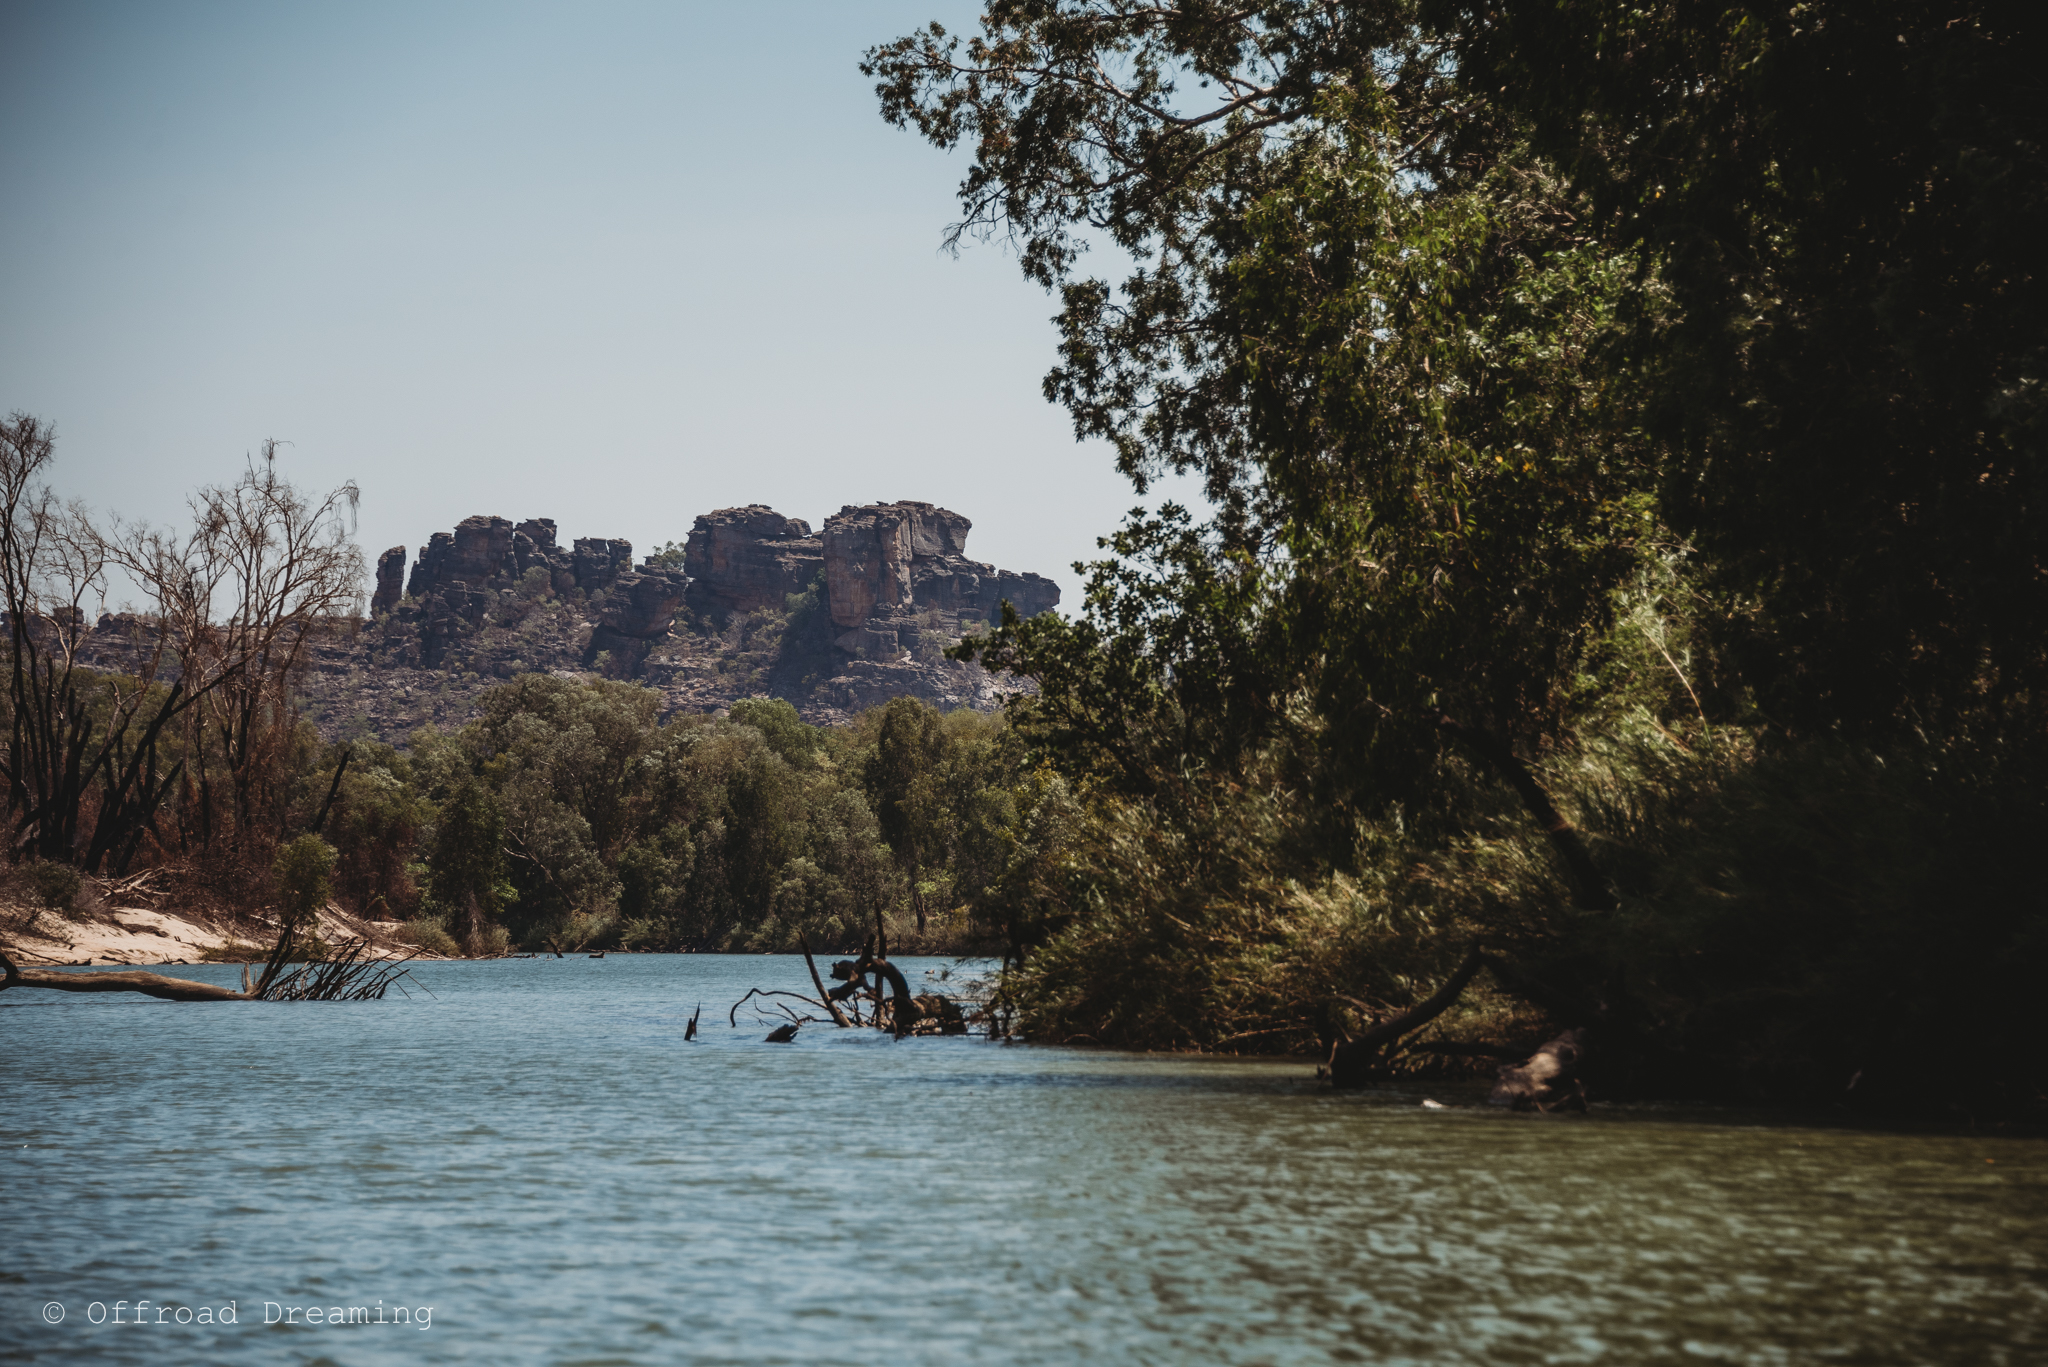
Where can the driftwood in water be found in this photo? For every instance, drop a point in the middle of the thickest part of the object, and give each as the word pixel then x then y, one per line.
pixel 829 1002
pixel 782 1034
pixel 732 1017
pixel 149 984
pixel 895 1009
pixel 901 1013
pixel 1548 1079
pixel 690 1030
pixel 897 1013
pixel 1354 1063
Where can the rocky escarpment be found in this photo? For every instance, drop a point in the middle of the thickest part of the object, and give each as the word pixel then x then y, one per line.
pixel 889 567
pixel 492 599
pixel 460 576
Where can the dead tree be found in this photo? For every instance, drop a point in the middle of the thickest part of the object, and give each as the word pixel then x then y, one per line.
pixel 86 743
pixel 263 572
pixel 80 743
pixel 895 1008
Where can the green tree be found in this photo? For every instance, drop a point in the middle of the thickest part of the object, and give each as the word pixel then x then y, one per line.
pixel 786 733
pixel 302 872
pixel 466 868
pixel 1845 201
pixel 1363 322
pixel 902 780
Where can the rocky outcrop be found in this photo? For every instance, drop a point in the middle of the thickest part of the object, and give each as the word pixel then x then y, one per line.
pixel 478 550
pixel 486 552
pixel 639 610
pixel 461 575
pixel 390 580
pixel 490 600
pixel 886 564
pixel 739 559
pixel 597 563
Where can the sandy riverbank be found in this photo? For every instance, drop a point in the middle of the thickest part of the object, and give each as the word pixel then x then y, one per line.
pixel 140 935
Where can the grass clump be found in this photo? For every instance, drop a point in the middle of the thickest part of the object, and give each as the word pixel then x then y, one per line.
pixel 430 937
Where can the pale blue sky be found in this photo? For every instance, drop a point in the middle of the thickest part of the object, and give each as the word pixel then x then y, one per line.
pixel 615 264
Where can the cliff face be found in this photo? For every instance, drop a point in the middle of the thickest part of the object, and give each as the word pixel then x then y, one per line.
pixel 739 559
pixel 886 561
pixel 887 566
pixel 491 599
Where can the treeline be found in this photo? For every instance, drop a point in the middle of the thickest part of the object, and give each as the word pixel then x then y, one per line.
pixel 1622 428
pixel 570 814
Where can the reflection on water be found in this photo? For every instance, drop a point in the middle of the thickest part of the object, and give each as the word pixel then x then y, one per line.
pixel 536 1154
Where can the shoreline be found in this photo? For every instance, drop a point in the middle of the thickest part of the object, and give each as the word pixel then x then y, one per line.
pixel 143 937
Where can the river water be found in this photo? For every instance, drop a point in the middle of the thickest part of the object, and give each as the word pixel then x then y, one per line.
pixel 535 1157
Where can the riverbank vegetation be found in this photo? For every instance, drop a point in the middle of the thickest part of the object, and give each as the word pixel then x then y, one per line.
pixel 1621 432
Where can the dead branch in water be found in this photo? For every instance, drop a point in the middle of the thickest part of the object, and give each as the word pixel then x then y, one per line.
pixel 838 1017
pixel 732 1016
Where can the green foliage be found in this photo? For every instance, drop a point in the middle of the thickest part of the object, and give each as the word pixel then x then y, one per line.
pixel 777 721
pixel 56 886
pixel 466 863
pixel 1844 199
pixel 1640 401
pixel 569 812
pixel 375 826
pixel 302 871
pixel 430 936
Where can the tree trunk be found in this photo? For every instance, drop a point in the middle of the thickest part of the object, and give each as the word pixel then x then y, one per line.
pixel 149 984
pixel 1589 890
pixel 1353 1063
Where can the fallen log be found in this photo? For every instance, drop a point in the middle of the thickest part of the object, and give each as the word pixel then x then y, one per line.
pixel 346 977
pixel 149 984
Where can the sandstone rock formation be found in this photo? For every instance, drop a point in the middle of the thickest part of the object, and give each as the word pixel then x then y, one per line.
pixel 639 610
pixel 886 562
pixel 460 575
pixel 490 600
pixel 390 580
pixel 489 552
pixel 739 559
